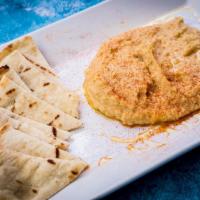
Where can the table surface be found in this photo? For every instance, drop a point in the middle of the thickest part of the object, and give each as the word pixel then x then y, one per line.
pixel 178 180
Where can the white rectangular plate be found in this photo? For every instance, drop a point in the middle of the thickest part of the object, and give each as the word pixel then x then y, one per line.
pixel 69 45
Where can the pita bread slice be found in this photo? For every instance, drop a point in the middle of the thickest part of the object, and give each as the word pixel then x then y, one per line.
pixel 29 49
pixel 12 74
pixel 17 100
pixel 25 177
pixel 45 87
pixel 47 130
pixel 32 131
pixel 6 195
pixel 15 140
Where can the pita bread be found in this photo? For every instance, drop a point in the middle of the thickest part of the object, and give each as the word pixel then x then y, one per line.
pixel 43 85
pixel 28 48
pixel 17 100
pixel 48 130
pixel 25 177
pixel 32 131
pixel 15 140
pixel 12 74
pixel 6 195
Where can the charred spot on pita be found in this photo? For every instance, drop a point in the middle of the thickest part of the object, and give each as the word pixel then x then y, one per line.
pixel 27 69
pixel 46 84
pixel 34 191
pixel 54 131
pixel 51 161
pixel 57 153
pixel 10 91
pixel 32 104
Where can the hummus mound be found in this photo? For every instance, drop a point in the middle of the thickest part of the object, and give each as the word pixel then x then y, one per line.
pixel 147 75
